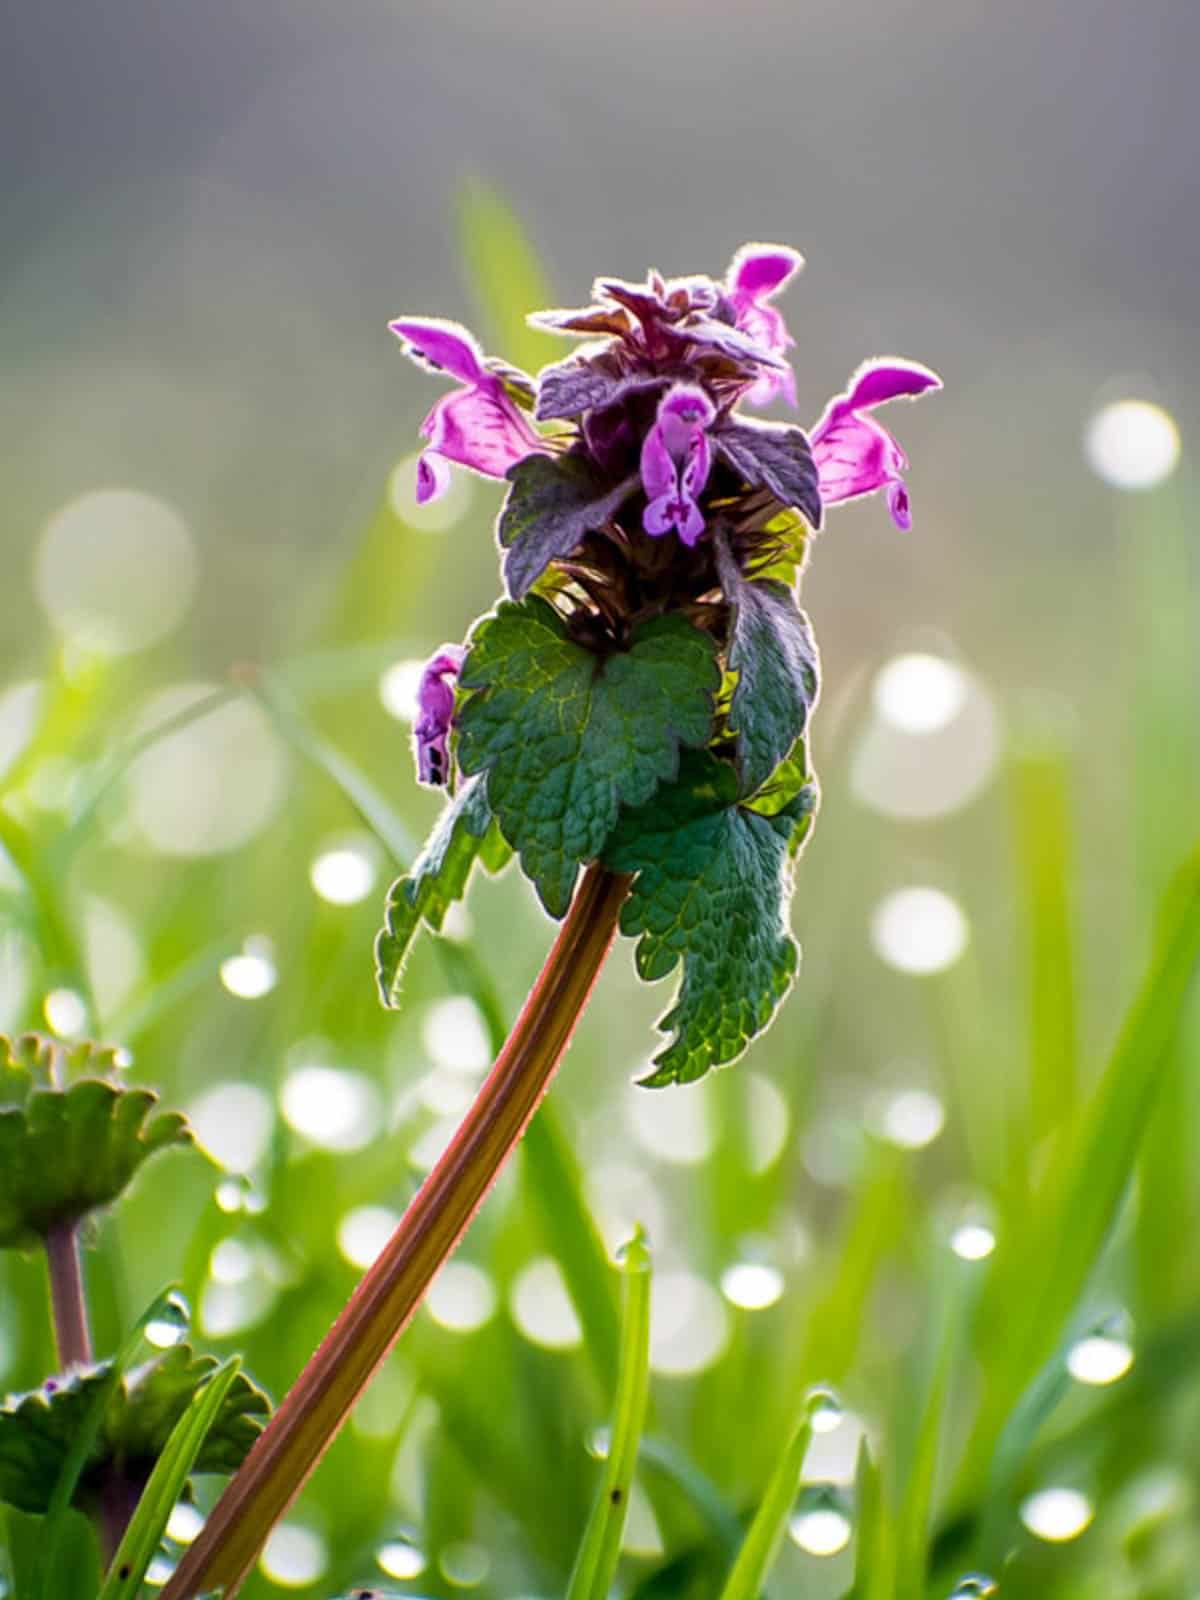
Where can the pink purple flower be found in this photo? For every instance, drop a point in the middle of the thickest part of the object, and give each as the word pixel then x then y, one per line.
pixel 676 460
pixel 854 454
pixel 477 425
pixel 756 275
pixel 435 709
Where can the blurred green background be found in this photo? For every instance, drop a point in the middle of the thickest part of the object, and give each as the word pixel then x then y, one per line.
pixel 216 585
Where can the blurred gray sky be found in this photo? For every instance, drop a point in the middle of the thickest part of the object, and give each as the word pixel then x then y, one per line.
pixel 210 212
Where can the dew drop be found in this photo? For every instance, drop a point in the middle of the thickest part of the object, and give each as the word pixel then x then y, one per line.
pixel 974 1586
pixel 825 1411
pixel 972 1241
pixel 400 1559
pixel 184 1523
pixel 1100 1359
pixel 822 1531
pixel 1057 1515
pixel 170 1322
pixel 752 1285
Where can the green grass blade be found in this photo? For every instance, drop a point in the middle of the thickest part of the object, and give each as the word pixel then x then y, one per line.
pixel 162 1308
pixel 881 1208
pixel 874 1532
pixel 1043 834
pixel 505 276
pixel 765 1534
pixel 1045 1269
pixel 917 1486
pixel 664 1459
pixel 597 1558
pixel 145 1531
pixel 554 1184
pixel 368 802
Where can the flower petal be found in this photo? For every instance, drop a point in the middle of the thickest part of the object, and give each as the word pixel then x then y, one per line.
pixel 887 378
pixel 480 427
pixel 435 708
pixel 433 477
pixel 444 346
pixel 854 456
pixel 761 270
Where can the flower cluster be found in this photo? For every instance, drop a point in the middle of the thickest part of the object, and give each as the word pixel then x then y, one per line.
pixel 647 468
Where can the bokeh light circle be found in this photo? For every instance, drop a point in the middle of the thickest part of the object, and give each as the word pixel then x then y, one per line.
pixel 1132 444
pixel 210 785
pixel 919 931
pixel 115 570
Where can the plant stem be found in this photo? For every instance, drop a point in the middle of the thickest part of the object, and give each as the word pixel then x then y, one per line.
pixel 71 1332
pixel 390 1291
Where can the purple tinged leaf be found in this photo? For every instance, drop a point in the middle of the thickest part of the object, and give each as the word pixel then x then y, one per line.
pixel 554 502
pixel 579 384
pixel 774 653
pixel 586 319
pixel 737 343
pixel 776 457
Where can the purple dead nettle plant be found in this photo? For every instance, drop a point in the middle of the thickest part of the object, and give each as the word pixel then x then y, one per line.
pixel 636 711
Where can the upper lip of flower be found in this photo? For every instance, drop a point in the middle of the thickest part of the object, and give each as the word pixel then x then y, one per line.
pixel 476 425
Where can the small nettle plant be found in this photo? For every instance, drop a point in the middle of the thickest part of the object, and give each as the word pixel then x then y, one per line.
pixel 631 722
pixel 111 1443
pixel 642 699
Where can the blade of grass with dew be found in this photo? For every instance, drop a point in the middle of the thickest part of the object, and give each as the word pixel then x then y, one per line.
pixel 163 1308
pixel 505 275
pixel 766 1532
pixel 1047 1266
pixel 597 1558
pixel 1035 1407
pixel 144 1534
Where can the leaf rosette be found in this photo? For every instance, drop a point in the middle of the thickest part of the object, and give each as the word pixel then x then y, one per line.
pixel 72 1135
pixel 37 1428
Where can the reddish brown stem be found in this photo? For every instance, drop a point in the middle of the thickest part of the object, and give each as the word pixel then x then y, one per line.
pixel 377 1312
pixel 71 1332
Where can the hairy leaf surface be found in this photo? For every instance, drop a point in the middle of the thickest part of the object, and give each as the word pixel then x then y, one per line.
pixel 774 654
pixel 463 834
pixel 553 502
pixel 567 737
pixel 712 889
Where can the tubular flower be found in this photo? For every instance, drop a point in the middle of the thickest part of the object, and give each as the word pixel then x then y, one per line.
pixel 756 275
pixel 656 492
pixel 477 425
pixel 435 708
pixel 854 455
pixel 676 461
